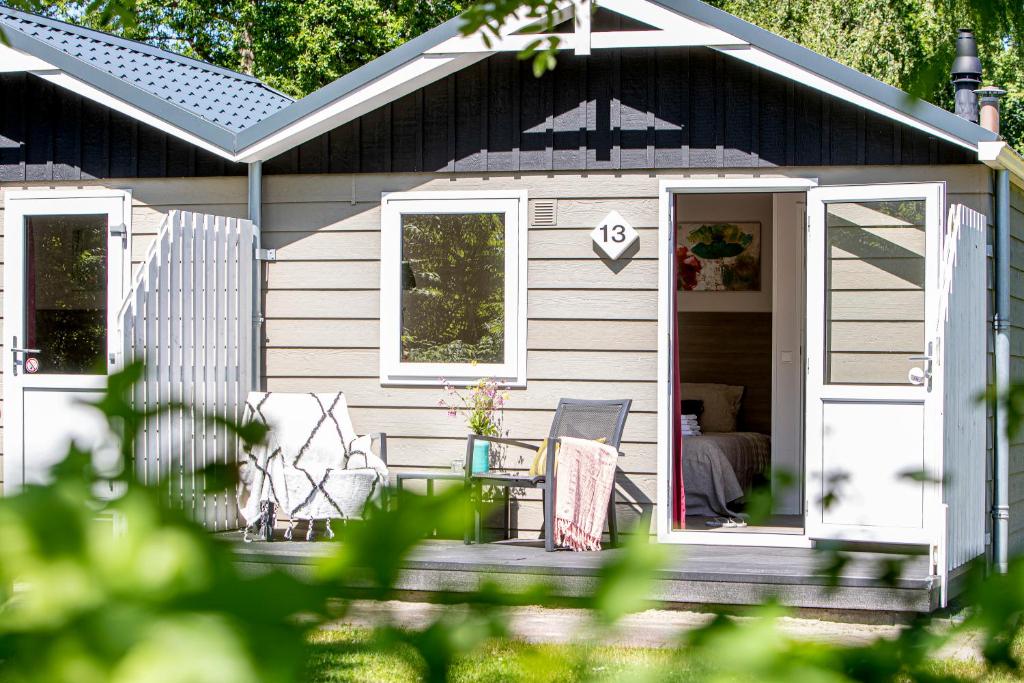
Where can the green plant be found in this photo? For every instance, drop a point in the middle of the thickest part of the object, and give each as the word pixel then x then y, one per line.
pixel 482 406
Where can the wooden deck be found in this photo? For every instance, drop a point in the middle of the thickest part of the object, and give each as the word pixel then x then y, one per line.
pixel 694 575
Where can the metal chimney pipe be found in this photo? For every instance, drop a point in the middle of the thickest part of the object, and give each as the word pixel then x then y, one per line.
pixel 988 100
pixel 966 75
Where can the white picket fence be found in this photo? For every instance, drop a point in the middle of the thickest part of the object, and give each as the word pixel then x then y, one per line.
pixel 963 362
pixel 189 317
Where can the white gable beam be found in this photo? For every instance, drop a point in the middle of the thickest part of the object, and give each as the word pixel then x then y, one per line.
pixel 603 40
pixel 669 21
pixel 673 30
pixel 770 62
pixel 478 41
pixel 582 26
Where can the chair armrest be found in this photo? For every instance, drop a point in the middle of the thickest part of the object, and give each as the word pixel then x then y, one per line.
pixel 382 438
pixel 504 441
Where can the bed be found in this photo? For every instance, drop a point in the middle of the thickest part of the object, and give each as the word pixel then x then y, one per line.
pixel 721 463
pixel 719 469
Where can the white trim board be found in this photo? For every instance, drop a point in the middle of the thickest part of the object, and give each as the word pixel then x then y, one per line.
pixel 18 204
pixel 512 371
pixel 666 322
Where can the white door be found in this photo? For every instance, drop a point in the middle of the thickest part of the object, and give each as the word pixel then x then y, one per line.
pixel 65 267
pixel 874 432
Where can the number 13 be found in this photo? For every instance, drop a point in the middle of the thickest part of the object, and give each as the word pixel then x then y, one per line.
pixel 618 233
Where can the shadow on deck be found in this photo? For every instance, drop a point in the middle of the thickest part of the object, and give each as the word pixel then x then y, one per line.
pixel 693 576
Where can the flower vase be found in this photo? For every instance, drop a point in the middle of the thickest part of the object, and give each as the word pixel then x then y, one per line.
pixel 481 457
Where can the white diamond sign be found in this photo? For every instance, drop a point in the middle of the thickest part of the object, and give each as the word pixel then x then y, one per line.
pixel 614 235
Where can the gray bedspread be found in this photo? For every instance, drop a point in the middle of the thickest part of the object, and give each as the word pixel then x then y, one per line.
pixel 718 469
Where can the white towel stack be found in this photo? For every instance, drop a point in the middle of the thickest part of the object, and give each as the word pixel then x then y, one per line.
pixel 690 426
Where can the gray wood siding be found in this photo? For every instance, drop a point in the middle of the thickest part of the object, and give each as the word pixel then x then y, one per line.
pixel 617 109
pixel 1016 365
pixel 322 299
pixel 592 332
pixel 50 133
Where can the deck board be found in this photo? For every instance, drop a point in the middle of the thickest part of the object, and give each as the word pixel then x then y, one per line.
pixel 692 575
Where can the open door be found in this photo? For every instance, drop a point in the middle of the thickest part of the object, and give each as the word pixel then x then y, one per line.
pixel 65 261
pixel 874 406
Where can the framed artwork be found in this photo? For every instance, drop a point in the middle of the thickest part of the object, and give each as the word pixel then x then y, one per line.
pixel 719 257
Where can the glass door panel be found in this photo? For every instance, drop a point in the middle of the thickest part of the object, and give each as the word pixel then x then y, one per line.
pixel 66 294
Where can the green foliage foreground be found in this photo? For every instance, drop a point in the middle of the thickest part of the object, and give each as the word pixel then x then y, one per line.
pixel 102 579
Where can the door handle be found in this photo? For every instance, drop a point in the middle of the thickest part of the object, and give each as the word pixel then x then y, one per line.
pixel 16 359
pixel 921 376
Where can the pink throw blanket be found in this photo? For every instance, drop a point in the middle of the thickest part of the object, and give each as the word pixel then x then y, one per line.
pixel 583 486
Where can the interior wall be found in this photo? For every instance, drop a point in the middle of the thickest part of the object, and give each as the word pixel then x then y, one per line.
pixel 726 337
pixel 731 208
pixel 731 348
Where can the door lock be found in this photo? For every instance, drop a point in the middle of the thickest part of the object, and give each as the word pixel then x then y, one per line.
pixel 18 356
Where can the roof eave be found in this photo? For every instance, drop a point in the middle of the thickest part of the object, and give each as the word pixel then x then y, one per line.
pixel 999 155
pixel 215 135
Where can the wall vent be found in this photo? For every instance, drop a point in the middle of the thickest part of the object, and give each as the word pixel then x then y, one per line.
pixel 544 212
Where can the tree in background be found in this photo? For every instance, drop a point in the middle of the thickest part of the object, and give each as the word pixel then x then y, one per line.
pixel 295 46
pixel 298 46
pixel 907 43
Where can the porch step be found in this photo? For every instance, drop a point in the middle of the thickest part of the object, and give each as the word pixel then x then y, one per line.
pixel 693 575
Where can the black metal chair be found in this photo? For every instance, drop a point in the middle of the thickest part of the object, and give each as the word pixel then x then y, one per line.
pixel 574 418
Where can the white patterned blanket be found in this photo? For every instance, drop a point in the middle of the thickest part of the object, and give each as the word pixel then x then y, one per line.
pixel 311 466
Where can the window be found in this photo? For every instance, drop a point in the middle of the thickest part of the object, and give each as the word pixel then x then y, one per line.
pixel 66 292
pixel 874 290
pixel 453 287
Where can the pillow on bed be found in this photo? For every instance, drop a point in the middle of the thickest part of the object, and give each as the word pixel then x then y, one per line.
pixel 721 404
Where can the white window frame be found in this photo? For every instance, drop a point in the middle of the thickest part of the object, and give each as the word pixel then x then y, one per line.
pixel 512 371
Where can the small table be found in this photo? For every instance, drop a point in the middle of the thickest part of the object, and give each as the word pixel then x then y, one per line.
pixel 429 477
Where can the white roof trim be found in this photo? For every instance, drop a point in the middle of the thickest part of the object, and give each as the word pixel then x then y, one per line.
pixel 999 155
pixel 62 79
pixel 406 79
pixel 12 60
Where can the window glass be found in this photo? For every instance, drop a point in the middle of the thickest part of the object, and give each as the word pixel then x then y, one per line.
pixel 874 290
pixel 453 288
pixel 66 293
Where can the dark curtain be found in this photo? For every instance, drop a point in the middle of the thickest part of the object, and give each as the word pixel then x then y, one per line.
pixel 678 494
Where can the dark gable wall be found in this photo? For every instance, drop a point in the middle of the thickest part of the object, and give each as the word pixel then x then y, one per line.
pixel 50 133
pixel 618 109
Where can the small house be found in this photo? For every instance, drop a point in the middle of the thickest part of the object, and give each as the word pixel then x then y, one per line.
pixel 688 211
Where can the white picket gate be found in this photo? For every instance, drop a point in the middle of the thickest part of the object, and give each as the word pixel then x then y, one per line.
pixel 189 317
pixel 963 365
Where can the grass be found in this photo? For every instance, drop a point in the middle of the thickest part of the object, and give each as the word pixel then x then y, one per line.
pixel 353 656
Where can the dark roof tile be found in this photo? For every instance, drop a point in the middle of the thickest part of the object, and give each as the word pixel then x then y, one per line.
pixel 194 86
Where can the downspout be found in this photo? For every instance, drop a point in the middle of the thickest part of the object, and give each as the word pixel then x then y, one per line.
pixel 1001 329
pixel 1002 158
pixel 256 216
